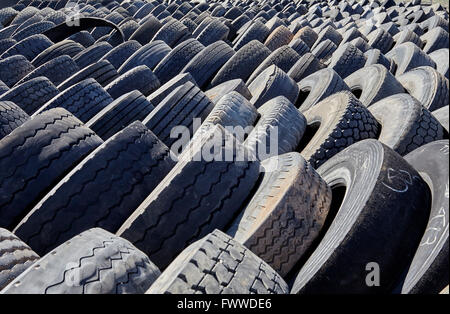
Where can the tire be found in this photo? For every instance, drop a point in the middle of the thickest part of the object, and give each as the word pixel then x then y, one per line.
pixel 149 55
pixel 65 47
pixel 428 271
pixel 7 15
pixel 3 88
pixel 257 31
pixel 361 44
pixel 281 36
pixel 346 60
pixel 198 269
pixel 242 63
pixel 161 93
pixel 352 34
pixel 405 123
pixel 94 262
pixel 102 191
pixel 83 38
pixel 442 116
pixel 171 33
pixel 143 11
pixel 33 29
pixel 305 66
pixel 426 85
pixel 373 83
pixel 284 58
pixel 195 198
pixel 119 114
pixel 381 40
pixel 15 259
pixel 441 57
pixel 56 70
pixel 408 56
pixel 11 117
pixel 102 71
pixel 362 216
pixel 328 33
pixel 140 78
pixel 238 85
pixel 84 100
pixel 433 22
pixel 5 44
pixel 33 165
pixel 308 35
pixel 272 82
pixel 334 124
pixel 435 39
pixel 207 62
pixel 29 47
pixel 279 119
pixel 213 32
pixel 173 63
pixel 146 31
pixel 324 50
pixel 190 24
pixel 118 55
pixel 299 46
pixel 13 69
pixel 31 95
pixel 407 36
pixel 92 54
pixel 179 108
pixel 285 214
pixel 374 56
pixel 318 86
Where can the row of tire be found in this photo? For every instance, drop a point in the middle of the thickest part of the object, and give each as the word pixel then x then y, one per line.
pixel 96 196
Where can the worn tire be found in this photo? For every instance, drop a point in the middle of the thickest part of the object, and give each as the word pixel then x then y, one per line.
pixel 29 47
pixel 346 60
pixel 408 56
pixel 305 66
pixel 435 39
pixel 13 69
pixel 217 92
pixel 65 47
pixel 441 58
pixel 442 116
pixel 118 55
pixel 11 117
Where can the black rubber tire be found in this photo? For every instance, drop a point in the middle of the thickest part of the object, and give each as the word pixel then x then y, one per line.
pixel 13 69
pixel 146 31
pixel 92 54
pixel 305 66
pixel 361 44
pixel 280 119
pixel 217 92
pixel 242 64
pixel 102 71
pixel 272 82
pixel 308 35
pixel 126 109
pixel 318 86
pixel 342 120
pixel 102 191
pixel 195 198
pixel 149 55
pixel 7 15
pixel 161 93
pixel 279 37
pixel 118 55
pixel 373 83
pixel 299 46
pixel 140 78
pixel 328 33
pixel 441 58
pixel 16 257
pixel 56 70
pixel 285 214
pixel 385 202
pixel 380 39
pixel 173 63
pixel 213 32
pixel 426 85
pixel 94 262
pixel 284 58
pixel 84 38
pixel 31 95
pixel 346 60
pixel 207 62
pixel 32 165
pixel 65 47
pixel 29 47
pixel 198 269
pixel 190 24
pixel 428 271
pixel 405 123
pixel 435 39
pixel 5 44
pixel 257 31
pixel 33 29
pixel 171 33
pixel 408 56
pixel 179 108
pixel 374 56
pixel 442 116
pixel 11 117
pixel 324 50
pixel 84 100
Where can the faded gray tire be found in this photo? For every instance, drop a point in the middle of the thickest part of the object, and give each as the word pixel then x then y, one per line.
pixel 334 124
pixel 279 37
pixel 35 156
pixel 11 117
pixel 286 212
pixel 442 116
pixel 217 92
pixel 94 262
pixel 426 85
pixel 318 86
pixel 381 40
pixel 373 83
pixel 16 257
pixel 324 51
pixel 149 55
pixel 405 123
pixel 101 191
pixel 346 60
pixel 408 56
pixel 157 96
pixel 257 31
pixel 374 56
pixel 217 264
pixel 280 124
pixel 435 39
pixel 305 66
pixel 441 58
pixel 375 208
pixel 195 198
pixel 308 35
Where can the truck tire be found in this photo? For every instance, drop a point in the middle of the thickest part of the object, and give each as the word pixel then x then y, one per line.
pixel 13 69
pixel 11 117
